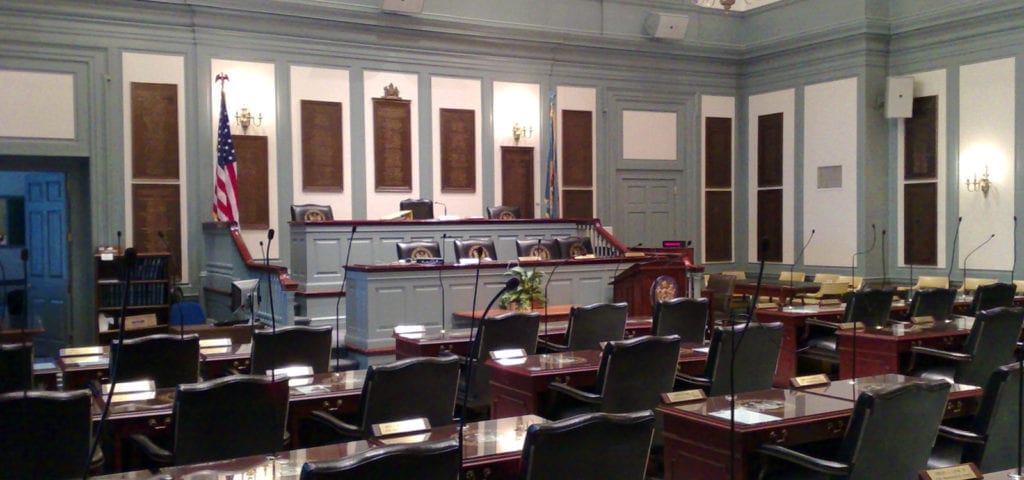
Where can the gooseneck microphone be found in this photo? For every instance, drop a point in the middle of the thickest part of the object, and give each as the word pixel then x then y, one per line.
pixel 547 300
pixel 510 284
pixel 982 244
pixel 1013 266
pixel 885 277
pixel 853 259
pixel 799 257
pixel 119 242
pixel 337 304
pixel 734 347
pixel 956 243
pixel 440 279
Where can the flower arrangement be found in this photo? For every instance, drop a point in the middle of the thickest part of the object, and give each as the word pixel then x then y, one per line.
pixel 528 294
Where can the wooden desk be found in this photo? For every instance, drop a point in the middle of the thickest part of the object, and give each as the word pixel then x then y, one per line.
pixel 457 341
pixel 963 399
pixel 793 320
pixel 15 335
pixel 553 313
pixel 880 351
pixel 779 289
pixel 77 371
pixel 520 388
pixel 492 449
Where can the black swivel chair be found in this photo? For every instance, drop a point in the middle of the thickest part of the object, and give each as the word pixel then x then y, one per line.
pixel 686 317
pixel 991 343
pixel 590 325
pixel 480 248
pixel 235 416
pixel 936 303
pixel 505 331
pixel 312 213
pixel 503 212
pixel 990 441
pixel 991 296
pixel 422 461
pixel 291 346
pixel 870 306
pixel 15 367
pixel 421 208
pixel 414 250
pixel 544 249
pixel 411 388
pixel 46 434
pixel 755 350
pixel 167 360
pixel 572 247
pixel 595 446
pixel 890 436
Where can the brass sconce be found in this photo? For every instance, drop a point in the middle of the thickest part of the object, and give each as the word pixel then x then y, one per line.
pixel 975 184
pixel 519 131
pixel 245 118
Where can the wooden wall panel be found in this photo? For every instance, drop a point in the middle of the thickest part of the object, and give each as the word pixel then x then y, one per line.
pixel 718 152
pixel 154 130
pixel 392 145
pixel 322 141
pixel 517 179
pixel 577 204
pixel 769 150
pixel 769 223
pixel 458 150
pixel 156 209
pixel 920 237
pixel 718 226
pixel 253 183
pixel 577 149
pixel 920 141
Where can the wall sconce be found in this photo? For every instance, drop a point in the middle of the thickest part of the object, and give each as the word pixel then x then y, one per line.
pixel 244 118
pixel 975 184
pixel 519 131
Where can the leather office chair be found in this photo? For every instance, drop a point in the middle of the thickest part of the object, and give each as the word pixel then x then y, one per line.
pixel 228 417
pixel 755 347
pixel 544 248
pixel 572 247
pixel 482 248
pixel 926 281
pixel 869 306
pixel 15 367
pixel 721 287
pixel 632 375
pixel 291 346
pixel 167 360
pixel 186 313
pixel 990 441
pixel 508 330
pixel 991 343
pixel 972 283
pixel 503 212
pixel 422 461
pixel 833 292
pixel 312 213
pixel 411 388
pixel 590 325
pixel 595 446
pixel 421 208
pixel 686 317
pixel 932 302
pixel 414 250
pixel 991 296
pixel 46 434
pixel 890 436
pixel 786 276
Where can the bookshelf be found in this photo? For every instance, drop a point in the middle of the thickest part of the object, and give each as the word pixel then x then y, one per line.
pixel 148 297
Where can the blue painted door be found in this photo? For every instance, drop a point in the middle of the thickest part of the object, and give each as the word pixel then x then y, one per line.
pixel 47 240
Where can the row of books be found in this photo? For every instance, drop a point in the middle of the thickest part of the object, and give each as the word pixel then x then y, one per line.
pixel 150 268
pixel 111 295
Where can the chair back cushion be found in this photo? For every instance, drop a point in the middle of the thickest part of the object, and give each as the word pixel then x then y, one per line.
pixel 291 346
pixel 932 302
pixel 870 306
pixel 503 212
pixel 991 296
pixel 15 367
pixel 635 372
pixel 167 360
pixel 414 250
pixel 686 317
pixel 187 313
pixel 997 419
pixel 592 324
pixel 991 343
pixel 721 286
pixel 574 246
pixel 475 248
pixel 756 348
pixel 421 208
pixel 595 446
pixel 312 213
pixel 44 434
pixel 410 388
pixel 422 461
pixel 229 417
pixel 892 430
pixel 543 248
pixel 509 330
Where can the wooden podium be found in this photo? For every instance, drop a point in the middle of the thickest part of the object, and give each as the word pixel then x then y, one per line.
pixel 633 285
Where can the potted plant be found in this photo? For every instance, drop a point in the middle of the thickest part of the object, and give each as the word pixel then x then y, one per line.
pixel 529 294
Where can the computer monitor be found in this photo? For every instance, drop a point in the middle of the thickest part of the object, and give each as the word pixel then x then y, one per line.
pixel 244 301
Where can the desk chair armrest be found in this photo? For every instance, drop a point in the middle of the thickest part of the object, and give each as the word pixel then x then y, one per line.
pixel 575 393
pixel 155 452
pixel 962 436
pixel 817 322
pixel 344 429
pixel 947 355
pixel 693 379
pixel 551 347
pixel 827 467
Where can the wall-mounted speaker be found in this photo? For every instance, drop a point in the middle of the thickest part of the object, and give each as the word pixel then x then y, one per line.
pixel 666 25
pixel 402 6
pixel 899 97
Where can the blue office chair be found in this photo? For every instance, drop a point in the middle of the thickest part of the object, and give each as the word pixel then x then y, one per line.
pixel 187 313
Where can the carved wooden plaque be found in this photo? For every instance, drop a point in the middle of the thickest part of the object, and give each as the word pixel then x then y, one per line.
pixel 154 130
pixel 156 208
pixel 717 152
pixel 392 145
pixel 769 150
pixel 517 179
pixel 717 226
pixel 920 142
pixel 458 150
pixel 322 154
pixel 577 150
pixel 920 234
pixel 253 184
pixel 577 203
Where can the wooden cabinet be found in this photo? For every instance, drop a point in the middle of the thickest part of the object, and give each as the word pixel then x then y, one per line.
pixel 148 295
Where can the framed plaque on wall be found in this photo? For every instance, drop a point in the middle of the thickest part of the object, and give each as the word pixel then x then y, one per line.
pixel 154 111
pixel 458 150
pixel 392 144
pixel 322 140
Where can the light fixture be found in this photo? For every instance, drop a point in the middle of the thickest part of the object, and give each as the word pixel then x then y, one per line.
pixel 726 4
pixel 519 131
pixel 974 184
pixel 244 118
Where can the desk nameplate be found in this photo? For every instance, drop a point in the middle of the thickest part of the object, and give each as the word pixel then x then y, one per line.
pixel 411 425
pixel 966 471
pixel 809 380
pixel 683 396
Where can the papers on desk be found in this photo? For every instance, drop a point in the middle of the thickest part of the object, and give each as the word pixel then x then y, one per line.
pixel 308 389
pixel 703 350
pixel 46 365
pixel 746 417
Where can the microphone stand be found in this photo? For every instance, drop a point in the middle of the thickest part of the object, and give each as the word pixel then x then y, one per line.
pixel 989 239
pixel 546 300
pixel 273 316
pixel 1013 267
pixel 798 259
pixel 853 262
pixel 337 304
pixel 734 347
pixel 440 280
pixel 956 238
pixel 885 276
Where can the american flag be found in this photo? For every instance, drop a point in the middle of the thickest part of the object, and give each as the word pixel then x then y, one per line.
pixel 550 194
pixel 225 191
